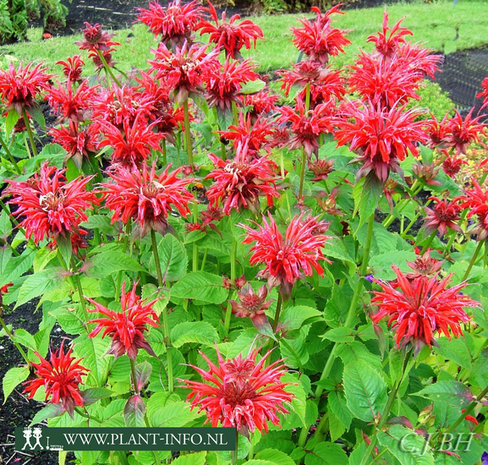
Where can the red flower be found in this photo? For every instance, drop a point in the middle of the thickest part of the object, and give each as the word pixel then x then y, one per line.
pixel 424 265
pixel 72 68
pixel 71 105
pixel 240 182
pixel 484 92
pixel 317 39
pixel 427 173
pixel 175 23
pixel 322 81
pixel 3 291
pixel 291 258
pixel 78 142
pixel 252 305
pixel 95 39
pixel 418 59
pixel 417 308
pixel 146 197
pixel 321 169
pixel 442 216
pixel 240 392
pixel 126 328
pixel 307 126
pixel 49 205
pixel 133 143
pixel 19 88
pixel 452 165
pixel 464 132
pixel 439 132
pixel 224 84
pixel 477 201
pixel 260 103
pixel 382 137
pixel 388 41
pixel 60 377
pixel 184 70
pixel 231 36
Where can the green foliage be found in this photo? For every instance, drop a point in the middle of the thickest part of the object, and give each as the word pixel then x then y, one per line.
pixel 433 100
pixel 13 20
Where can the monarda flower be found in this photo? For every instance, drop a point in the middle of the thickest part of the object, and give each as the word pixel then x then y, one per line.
pixel 426 172
pixel 477 201
pixel 484 93
pixel 381 137
pixel 60 378
pixel 439 132
pixel 126 327
pixel 146 197
pixel 78 141
pixel 452 165
pixel 292 257
pixel 173 24
pixel 462 133
pixel 133 144
pixel 95 39
pixel 49 205
pixel 260 103
pixel 19 88
pixel 252 305
pixel 239 183
pixel 318 39
pixel 224 83
pixel 321 169
pixel 323 83
pixel 307 126
pixel 185 70
pixel 444 215
pixel 3 291
pixel 418 308
pixel 424 265
pixel 231 36
pixel 240 392
pixel 69 104
pixel 72 68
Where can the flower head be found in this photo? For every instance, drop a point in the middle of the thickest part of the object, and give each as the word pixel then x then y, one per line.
pixel 419 307
pixel 476 200
pixel 452 165
pixel 252 305
pixel 72 68
pixel 69 104
pixel 424 265
pixel 240 182
pixel 229 35
pixel 388 40
pixel 94 39
pixel 240 392
pixel 321 169
pixel 60 377
pixel 3 291
pixel 126 328
pixel 260 103
pixel 318 39
pixel 49 205
pixel 19 88
pixel 484 94
pixel 224 84
pixel 444 215
pixel 147 197
pixel 173 24
pixel 292 257
pixel 464 132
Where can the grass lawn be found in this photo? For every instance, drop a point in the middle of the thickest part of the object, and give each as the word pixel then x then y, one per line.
pixel 436 25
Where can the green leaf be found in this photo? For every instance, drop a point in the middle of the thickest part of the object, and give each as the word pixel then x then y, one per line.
pixel 336 403
pixel 275 456
pixel 365 390
pixel 199 332
pixel 134 411
pixel 340 334
pixel 37 284
pixel 17 266
pixel 297 416
pixel 366 193
pixel 406 446
pixel 92 350
pixel 295 317
pixel 251 87
pixel 37 115
pixel 92 395
pixel 173 415
pixel 25 338
pixel 12 379
pixel 196 458
pixel 173 258
pixel 111 261
pixel 201 286
pixel 453 392
pixel 11 121
pixel 49 411
pixel 455 350
pixel 100 222
pixel 326 453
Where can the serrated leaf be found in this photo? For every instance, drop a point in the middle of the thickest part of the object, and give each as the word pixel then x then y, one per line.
pixel 196 458
pixel 17 266
pixel 201 286
pixel 173 415
pixel 11 121
pixel 298 406
pixel 37 284
pixel 326 453
pixel 49 411
pixel 92 395
pixel 366 193
pixel 12 379
pixel 199 332
pixel 294 317
pixel 143 372
pixel 111 261
pixel 340 334
pixel 453 392
pixel 275 456
pixel 365 390
pixel 100 222
pixel 173 258
pixel 337 404
pixel 25 338
pixel 134 412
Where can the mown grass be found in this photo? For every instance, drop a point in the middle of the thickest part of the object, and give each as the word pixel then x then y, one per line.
pixel 439 26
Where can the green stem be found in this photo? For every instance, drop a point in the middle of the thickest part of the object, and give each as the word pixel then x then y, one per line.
pixel 165 158
pixel 233 274
pixel 84 414
pixel 352 308
pixel 473 260
pixel 77 281
pixel 133 375
pixel 468 410
pixel 302 173
pixel 195 243
pixel 16 344
pixel 428 243
pixel 29 132
pixel 157 262
pixel 189 150
pixel 108 69
pixel 277 312
pixel 10 156
pixel 234 452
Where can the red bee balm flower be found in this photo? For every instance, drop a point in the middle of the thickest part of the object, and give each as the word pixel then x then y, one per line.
pixel 147 197
pixel 477 200
pixel 317 39
pixel 49 205
pixel 173 24
pixel 252 305
pixel 444 215
pixel 231 36
pixel 60 378
pixel 20 87
pixel 240 392
pixel 418 307
pixel 72 67
pixel 126 328
pixel 240 182
pixel 290 258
